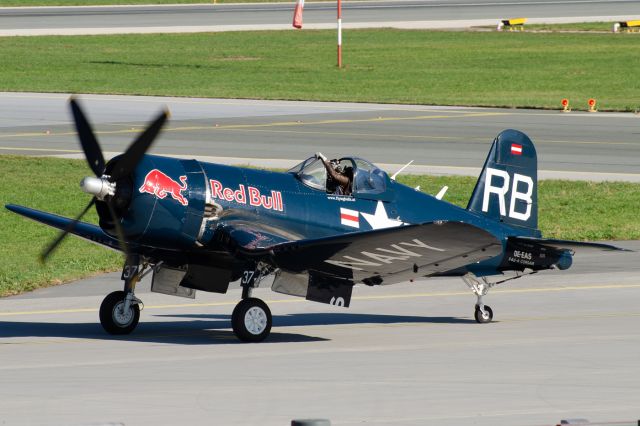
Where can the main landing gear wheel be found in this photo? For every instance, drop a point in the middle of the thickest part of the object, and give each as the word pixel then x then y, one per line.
pixel 483 317
pixel 113 317
pixel 251 320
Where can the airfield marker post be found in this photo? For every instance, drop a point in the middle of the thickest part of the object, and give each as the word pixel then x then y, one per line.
pixel 339 33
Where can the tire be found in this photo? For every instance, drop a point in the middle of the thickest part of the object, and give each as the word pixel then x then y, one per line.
pixel 483 319
pixel 251 320
pixel 111 317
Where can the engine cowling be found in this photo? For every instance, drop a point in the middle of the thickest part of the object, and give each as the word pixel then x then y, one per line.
pixel 161 204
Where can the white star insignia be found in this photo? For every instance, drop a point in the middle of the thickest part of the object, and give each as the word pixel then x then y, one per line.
pixel 380 219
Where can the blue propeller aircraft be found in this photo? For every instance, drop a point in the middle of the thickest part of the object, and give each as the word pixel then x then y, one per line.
pixel 319 228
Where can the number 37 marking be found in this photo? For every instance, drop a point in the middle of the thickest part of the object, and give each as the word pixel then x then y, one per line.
pixel 247 277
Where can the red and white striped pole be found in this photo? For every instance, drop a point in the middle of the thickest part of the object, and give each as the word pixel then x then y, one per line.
pixel 339 33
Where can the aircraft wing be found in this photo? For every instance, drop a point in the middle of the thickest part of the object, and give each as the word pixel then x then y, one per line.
pixel 84 230
pixel 572 246
pixel 375 257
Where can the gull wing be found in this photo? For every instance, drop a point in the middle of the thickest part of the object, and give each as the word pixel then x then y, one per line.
pixel 389 255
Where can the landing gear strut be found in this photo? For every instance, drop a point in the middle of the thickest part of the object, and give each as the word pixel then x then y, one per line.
pixel 120 310
pixel 483 313
pixel 251 319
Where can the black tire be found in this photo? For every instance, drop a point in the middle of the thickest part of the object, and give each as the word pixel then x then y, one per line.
pixel 115 322
pixel 483 319
pixel 251 320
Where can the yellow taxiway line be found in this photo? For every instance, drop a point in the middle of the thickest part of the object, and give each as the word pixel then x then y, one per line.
pixel 264 127
pixel 259 125
pixel 380 297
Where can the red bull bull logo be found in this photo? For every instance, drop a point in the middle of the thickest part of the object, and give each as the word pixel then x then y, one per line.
pixel 160 185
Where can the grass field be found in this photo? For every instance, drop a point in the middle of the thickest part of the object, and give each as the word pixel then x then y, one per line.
pixel 52 185
pixel 572 210
pixel 424 67
pixel 566 209
pixel 583 26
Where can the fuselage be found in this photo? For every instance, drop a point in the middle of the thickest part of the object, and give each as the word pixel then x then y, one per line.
pixel 183 204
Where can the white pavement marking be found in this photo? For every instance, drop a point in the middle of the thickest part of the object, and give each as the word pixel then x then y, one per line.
pixel 439 24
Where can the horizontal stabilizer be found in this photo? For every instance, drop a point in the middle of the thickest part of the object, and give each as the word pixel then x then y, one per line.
pixel 84 230
pixel 568 244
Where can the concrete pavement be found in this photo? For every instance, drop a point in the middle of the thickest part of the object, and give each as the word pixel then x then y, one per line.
pixel 564 345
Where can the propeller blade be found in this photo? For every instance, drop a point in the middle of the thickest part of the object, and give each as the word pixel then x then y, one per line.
pixel 88 140
pixel 130 159
pixel 47 252
pixel 119 230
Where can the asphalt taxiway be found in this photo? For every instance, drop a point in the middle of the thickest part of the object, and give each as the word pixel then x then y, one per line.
pixel 440 140
pixel 564 344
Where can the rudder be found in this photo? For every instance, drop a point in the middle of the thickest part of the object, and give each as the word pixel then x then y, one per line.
pixel 507 187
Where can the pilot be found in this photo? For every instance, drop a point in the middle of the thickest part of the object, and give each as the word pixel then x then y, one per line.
pixel 341 177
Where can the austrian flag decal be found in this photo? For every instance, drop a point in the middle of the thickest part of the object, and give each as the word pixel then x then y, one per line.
pixel 516 149
pixel 350 217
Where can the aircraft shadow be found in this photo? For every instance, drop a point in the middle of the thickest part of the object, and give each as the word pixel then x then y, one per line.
pixel 205 329
pixel 308 319
pixel 196 332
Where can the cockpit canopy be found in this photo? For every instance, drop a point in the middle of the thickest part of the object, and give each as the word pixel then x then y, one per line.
pixel 368 179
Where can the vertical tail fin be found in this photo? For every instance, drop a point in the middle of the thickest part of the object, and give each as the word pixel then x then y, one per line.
pixel 507 187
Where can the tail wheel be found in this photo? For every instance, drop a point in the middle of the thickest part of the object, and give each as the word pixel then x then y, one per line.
pixel 483 317
pixel 114 318
pixel 251 320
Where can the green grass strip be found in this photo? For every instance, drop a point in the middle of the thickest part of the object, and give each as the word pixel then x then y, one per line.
pixel 508 69
pixel 52 185
pixel 572 210
pixel 581 26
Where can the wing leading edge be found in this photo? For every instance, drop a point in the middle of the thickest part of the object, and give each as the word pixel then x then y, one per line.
pixel 569 245
pixel 84 230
